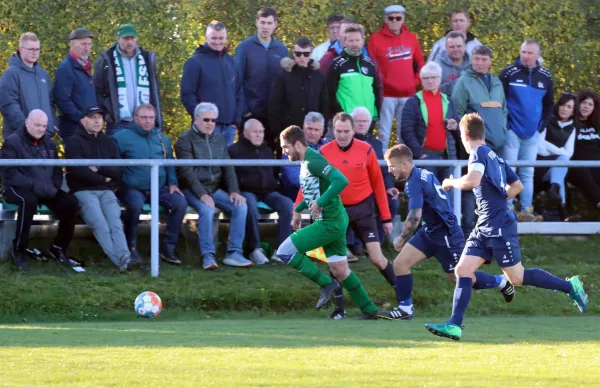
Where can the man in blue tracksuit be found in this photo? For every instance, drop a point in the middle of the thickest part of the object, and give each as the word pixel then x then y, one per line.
pixel 258 58
pixel 211 75
pixel 529 98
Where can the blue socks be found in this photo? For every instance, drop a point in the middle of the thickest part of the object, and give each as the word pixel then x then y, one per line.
pixel 462 296
pixel 539 278
pixel 485 281
pixel 404 285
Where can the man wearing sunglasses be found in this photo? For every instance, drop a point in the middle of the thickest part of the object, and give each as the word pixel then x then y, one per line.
pixel 397 53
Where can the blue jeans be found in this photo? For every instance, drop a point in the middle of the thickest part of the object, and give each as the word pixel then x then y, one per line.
pixel 557 175
pixel 228 131
pixel 206 214
pixel 281 204
pixel 134 200
pixel 112 129
pixel 515 149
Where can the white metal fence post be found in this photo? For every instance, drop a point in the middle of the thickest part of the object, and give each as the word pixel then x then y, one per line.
pixel 154 220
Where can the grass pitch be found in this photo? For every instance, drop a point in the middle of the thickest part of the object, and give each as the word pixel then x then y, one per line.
pixel 293 350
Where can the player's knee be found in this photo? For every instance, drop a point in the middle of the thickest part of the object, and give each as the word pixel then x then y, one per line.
pixel 286 251
pixel 401 266
pixel 463 271
pixel 516 279
pixel 340 270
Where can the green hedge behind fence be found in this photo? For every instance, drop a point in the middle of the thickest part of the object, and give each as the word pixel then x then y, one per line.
pixel 567 29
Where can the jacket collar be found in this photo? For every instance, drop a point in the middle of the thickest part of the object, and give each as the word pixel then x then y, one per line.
pixel 140 131
pixel 247 143
pixel 520 65
pixel 344 149
pixel 30 139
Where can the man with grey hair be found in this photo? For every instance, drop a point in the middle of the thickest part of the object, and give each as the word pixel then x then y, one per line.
pixel 453 61
pixel 202 187
pixel 258 184
pixel 211 75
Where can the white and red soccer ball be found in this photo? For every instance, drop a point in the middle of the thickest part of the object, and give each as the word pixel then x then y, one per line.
pixel 147 305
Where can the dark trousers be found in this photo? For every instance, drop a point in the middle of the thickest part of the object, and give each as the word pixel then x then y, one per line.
pixel 588 181
pixel 64 205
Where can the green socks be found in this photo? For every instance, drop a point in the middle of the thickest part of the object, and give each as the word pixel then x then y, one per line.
pixel 308 269
pixel 359 295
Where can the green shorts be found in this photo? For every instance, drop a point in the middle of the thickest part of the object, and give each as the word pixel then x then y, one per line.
pixel 328 234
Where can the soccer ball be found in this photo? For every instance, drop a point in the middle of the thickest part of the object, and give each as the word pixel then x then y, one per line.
pixel 147 304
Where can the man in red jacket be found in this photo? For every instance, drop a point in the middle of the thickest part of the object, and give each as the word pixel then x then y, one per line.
pixel 397 53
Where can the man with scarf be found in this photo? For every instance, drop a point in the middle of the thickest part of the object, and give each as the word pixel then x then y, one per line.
pixel 73 84
pixel 125 77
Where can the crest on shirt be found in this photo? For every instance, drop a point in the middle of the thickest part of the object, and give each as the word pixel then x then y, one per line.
pixel 399 53
pixel 541 85
pixel 365 70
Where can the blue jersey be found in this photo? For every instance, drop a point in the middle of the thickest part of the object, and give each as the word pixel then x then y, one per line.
pixel 424 191
pixel 491 194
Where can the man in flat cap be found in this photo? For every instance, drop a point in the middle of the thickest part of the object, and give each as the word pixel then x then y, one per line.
pixel 73 83
pixel 125 77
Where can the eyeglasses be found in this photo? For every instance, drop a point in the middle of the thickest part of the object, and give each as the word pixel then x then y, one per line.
pixel 302 54
pixel 395 18
pixel 207 120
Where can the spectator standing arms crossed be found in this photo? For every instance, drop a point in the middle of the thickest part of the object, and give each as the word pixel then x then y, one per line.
pixel 211 75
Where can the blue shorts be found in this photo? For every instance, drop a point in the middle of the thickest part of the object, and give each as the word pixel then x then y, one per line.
pixel 504 247
pixel 446 250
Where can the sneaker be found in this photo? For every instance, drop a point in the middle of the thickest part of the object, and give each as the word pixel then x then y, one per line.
pixel 447 330
pixel 19 259
pixel 401 312
pixel 326 292
pixel 553 198
pixel 123 263
pixel 577 294
pixel 169 256
pixel 370 316
pixel 135 260
pixel 236 259
pixel 258 256
pixel 58 254
pixel 350 256
pixel 508 291
pixel 276 258
pixel 337 314
pixel 209 262
pixel 529 216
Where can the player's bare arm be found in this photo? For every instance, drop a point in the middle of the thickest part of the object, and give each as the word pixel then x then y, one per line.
pixel 465 182
pixel 410 227
pixel 513 189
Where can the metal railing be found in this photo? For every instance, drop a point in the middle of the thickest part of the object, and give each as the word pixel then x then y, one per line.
pixel 155 164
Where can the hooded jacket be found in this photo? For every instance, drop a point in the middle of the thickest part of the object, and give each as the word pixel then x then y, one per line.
pixel 200 180
pixel 23 89
pixel 399 59
pixel 451 72
pixel 256 180
pixel 440 46
pixel 295 92
pixel 43 181
pixel 212 76
pixel 105 80
pixel 82 145
pixel 137 143
pixel 258 68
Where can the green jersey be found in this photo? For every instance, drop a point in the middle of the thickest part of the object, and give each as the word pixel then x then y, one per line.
pixel 321 182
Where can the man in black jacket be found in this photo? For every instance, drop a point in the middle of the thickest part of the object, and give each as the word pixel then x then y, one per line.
pixel 119 96
pixel 28 186
pixel 259 184
pixel 94 186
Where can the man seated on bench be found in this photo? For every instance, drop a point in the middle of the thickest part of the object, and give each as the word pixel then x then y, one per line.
pixel 28 186
pixel 202 187
pixel 144 141
pixel 95 186
pixel 259 184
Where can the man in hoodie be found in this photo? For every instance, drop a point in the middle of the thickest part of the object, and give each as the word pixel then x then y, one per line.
pixel 25 86
pixel 145 141
pixel 125 76
pixel 259 184
pixel 454 60
pixel 95 186
pixel 300 89
pixel 333 30
pixel 397 53
pixel 28 186
pixel 529 94
pixel 460 21
pixel 204 187
pixel 258 58
pixel 74 89
pixel 211 75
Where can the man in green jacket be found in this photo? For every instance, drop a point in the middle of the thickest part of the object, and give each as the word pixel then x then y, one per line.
pixel 144 141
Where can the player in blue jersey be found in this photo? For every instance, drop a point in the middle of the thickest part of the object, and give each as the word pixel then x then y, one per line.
pixel 430 230
pixel 495 235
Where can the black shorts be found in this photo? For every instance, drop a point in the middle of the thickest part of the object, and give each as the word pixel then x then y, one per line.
pixel 363 221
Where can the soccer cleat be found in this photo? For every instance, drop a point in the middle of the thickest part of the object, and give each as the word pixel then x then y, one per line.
pixel 258 256
pixel 236 259
pixel 326 292
pixel 447 330
pixel 399 312
pixel 577 294
pixel 337 314
pixel 371 317
pixel 209 262
pixel 508 291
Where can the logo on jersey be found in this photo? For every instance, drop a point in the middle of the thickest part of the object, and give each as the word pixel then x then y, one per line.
pixel 541 85
pixel 327 169
pixel 402 53
pixel 365 70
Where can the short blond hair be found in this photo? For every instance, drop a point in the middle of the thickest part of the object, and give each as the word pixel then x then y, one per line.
pixel 28 37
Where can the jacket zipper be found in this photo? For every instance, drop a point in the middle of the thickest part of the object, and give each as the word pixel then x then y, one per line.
pixel 210 173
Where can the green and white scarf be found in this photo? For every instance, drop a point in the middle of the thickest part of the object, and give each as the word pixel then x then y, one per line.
pixel 142 83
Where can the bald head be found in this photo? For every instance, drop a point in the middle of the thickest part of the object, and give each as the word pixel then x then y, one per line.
pixel 36 123
pixel 254 131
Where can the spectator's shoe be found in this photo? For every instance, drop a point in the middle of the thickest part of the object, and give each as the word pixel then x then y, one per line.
pixel 276 258
pixel 350 256
pixel 405 313
pixel 19 259
pixel 508 291
pixel 258 256
pixel 169 256
pixel 529 216
pixel 553 198
pixel 338 314
pixel 58 254
pixel 577 294
pixel 209 262
pixel 236 259
pixel 326 292
pixel 123 262
pixel 447 330
pixel 135 261
pixel 564 215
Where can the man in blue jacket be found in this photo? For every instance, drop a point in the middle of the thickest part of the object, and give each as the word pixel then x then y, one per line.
pixel 73 83
pixel 258 58
pixel 144 141
pixel 529 98
pixel 211 75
